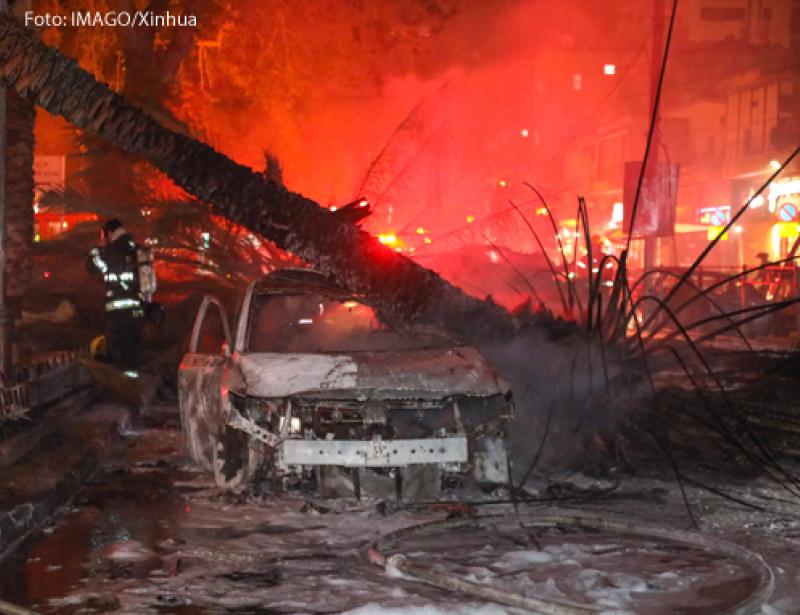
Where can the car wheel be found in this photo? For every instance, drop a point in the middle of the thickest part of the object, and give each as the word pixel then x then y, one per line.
pixel 236 458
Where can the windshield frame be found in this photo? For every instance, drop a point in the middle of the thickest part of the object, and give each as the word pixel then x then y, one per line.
pixel 444 340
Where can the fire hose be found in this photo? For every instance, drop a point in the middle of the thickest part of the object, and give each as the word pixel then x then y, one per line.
pixel 456 584
pixel 7 608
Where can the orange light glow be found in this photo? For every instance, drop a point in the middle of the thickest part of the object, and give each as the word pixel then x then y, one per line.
pixel 502 183
pixel 714 231
pixel 428 240
pixel 49 224
pixel 542 211
pixel 420 230
pixel 387 239
pixel 470 219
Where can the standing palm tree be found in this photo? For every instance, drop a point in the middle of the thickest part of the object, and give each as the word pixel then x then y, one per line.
pixel 401 289
pixel 20 117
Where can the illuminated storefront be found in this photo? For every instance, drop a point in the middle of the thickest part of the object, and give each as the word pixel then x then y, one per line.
pixel 783 203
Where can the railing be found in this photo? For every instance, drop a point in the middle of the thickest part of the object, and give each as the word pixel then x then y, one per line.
pixel 40 380
pixel 14 403
pixel 28 369
pixel 772 283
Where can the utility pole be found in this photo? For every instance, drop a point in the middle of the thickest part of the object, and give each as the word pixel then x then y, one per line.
pixel 5 315
pixel 656 52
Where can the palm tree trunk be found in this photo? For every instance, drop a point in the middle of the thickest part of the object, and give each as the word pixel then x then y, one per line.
pixel 399 288
pixel 20 119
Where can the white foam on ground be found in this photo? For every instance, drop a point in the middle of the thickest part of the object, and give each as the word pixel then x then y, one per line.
pixel 514 560
pixel 376 609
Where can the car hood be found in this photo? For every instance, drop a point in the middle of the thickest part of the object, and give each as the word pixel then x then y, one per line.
pixel 381 375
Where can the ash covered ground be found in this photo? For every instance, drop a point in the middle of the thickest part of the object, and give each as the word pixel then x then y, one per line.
pixel 151 534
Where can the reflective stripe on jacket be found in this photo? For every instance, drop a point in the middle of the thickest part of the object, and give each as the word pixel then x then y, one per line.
pixel 118 264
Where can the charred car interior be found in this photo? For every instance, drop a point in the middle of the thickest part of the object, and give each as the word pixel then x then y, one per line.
pixel 313 389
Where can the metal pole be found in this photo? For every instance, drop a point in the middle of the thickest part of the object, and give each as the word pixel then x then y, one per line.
pixel 651 243
pixel 5 316
pixel 655 61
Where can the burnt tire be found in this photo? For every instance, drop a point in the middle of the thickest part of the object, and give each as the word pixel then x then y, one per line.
pixel 237 456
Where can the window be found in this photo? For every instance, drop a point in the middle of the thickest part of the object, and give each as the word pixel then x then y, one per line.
pixel 212 332
pixel 312 323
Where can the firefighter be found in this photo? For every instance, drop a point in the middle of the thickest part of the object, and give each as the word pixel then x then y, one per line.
pixel 116 260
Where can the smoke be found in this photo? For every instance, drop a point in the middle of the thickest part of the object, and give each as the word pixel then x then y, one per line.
pixel 570 396
pixel 341 86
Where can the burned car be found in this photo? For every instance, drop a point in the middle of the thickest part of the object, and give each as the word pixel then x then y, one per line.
pixel 313 385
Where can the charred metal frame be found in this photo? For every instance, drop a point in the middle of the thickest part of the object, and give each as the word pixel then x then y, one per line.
pixel 448 449
pixel 415 426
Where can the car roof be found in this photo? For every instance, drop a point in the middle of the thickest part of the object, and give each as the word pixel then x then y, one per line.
pixel 303 280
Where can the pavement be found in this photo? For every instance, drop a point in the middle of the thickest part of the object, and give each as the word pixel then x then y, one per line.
pixel 36 486
pixel 150 533
pixel 105 514
pixel 43 467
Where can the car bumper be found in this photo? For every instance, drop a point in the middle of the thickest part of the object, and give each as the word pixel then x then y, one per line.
pixel 371 453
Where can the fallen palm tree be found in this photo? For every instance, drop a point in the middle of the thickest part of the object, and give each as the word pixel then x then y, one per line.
pixel 401 289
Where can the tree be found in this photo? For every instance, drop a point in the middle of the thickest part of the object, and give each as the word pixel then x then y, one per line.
pixel 142 64
pixel 20 117
pixel 400 289
pixel 19 193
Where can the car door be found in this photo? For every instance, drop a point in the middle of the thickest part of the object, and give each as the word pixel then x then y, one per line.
pixel 199 378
